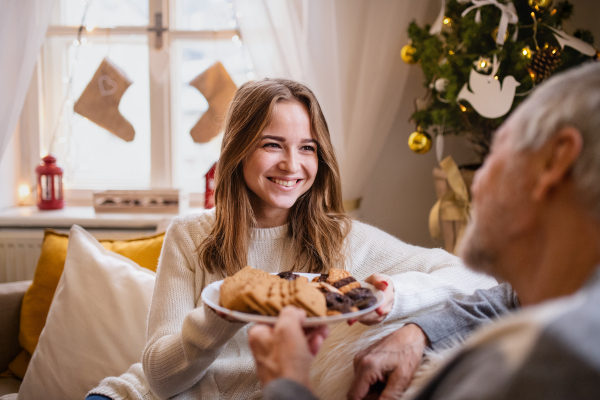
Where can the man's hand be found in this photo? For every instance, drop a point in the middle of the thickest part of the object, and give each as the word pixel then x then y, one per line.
pixel 393 361
pixel 286 349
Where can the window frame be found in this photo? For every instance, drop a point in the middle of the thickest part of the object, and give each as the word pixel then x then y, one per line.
pixel 162 135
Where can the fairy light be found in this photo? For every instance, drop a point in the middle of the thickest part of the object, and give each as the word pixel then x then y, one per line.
pixel 24 191
pixel 526 51
pixel 447 21
pixel 462 108
pixel 482 64
pixel 496 77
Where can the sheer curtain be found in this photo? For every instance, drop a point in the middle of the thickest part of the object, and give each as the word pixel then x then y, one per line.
pixel 348 52
pixel 23 25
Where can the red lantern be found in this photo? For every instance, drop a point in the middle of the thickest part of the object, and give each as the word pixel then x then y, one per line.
pixel 49 185
pixel 209 193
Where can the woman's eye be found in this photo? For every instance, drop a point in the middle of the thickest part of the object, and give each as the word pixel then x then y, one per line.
pixel 272 145
pixel 308 148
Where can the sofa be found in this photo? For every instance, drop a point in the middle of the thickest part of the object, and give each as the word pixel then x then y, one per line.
pixel 11 297
pixel 83 316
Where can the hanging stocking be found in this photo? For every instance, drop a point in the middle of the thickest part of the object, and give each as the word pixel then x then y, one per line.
pixel 100 100
pixel 218 88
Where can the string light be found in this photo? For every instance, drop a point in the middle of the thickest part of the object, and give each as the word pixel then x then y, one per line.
pixel 462 108
pixel 24 191
pixel 447 21
pixel 526 51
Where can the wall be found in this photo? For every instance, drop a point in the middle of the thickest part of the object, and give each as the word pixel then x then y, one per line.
pixel 400 193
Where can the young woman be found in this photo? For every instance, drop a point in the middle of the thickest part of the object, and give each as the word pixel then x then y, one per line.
pixel 278 207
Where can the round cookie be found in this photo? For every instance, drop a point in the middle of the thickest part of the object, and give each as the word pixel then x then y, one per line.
pixel 338 302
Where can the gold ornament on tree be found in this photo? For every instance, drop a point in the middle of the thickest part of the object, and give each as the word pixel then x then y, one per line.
pixel 100 100
pixel 540 5
pixel 407 54
pixel 218 88
pixel 419 141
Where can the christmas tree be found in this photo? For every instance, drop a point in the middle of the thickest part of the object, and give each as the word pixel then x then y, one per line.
pixel 482 58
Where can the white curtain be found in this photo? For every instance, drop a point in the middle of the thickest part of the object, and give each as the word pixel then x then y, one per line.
pixel 23 25
pixel 348 52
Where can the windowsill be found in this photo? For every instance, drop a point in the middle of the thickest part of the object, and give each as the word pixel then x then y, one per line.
pixel 32 217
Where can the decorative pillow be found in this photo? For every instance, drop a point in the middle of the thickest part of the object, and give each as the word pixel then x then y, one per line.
pixel 96 326
pixel 36 302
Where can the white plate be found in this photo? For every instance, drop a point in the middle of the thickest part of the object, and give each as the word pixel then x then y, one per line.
pixel 211 295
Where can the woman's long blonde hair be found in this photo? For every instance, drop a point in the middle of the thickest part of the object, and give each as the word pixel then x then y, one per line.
pixel 317 222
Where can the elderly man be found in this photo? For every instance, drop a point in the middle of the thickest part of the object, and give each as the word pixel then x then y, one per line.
pixel 536 224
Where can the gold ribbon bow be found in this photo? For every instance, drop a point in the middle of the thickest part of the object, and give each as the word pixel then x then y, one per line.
pixel 454 205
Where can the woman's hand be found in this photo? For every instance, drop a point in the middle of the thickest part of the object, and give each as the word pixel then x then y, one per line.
pixel 385 284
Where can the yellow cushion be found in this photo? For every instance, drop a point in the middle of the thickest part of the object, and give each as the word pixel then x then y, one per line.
pixel 36 302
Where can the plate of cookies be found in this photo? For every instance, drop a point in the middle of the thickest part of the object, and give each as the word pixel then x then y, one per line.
pixel 253 295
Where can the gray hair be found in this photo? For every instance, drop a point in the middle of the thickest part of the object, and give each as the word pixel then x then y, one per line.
pixel 571 98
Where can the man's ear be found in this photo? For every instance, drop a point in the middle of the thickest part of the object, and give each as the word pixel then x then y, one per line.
pixel 557 157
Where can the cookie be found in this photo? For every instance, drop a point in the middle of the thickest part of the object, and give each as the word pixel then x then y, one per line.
pixel 346 288
pixel 255 294
pixel 343 282
pixel 360 293
pixel 229 297
pixel 287 275
pixel 309 298
pixel 365 303
pixel 321 278
pixel 338 302
pixel 336 274
pixel 275 301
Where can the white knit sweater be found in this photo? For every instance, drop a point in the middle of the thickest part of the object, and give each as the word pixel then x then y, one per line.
pixel 191 353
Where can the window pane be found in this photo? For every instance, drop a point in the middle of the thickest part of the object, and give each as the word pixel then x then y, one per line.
pixel 101 13
pixel 194 15
pixel 92 157
pixel 193 160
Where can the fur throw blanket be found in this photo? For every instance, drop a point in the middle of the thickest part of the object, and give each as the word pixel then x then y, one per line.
pixel 333 368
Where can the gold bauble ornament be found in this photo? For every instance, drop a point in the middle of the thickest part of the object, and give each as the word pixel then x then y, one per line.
pixel 407 53
pixel 495 34
pixel 540 4
pixel 419 142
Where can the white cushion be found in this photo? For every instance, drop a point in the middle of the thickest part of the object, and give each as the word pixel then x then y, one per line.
pixel 96 326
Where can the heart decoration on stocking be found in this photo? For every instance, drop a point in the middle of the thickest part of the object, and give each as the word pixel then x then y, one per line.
pixel 218 88
pixel 100 100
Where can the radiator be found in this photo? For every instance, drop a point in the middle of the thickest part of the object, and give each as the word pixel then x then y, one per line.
pixel 19 253
pixel 21 248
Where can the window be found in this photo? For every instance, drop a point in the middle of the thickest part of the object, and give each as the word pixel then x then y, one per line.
pixel 160 104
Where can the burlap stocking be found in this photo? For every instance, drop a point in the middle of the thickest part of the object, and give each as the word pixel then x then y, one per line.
pixel 100 100
pixel 216 86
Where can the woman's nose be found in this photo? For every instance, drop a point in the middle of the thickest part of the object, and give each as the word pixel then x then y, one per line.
pixel 289 162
